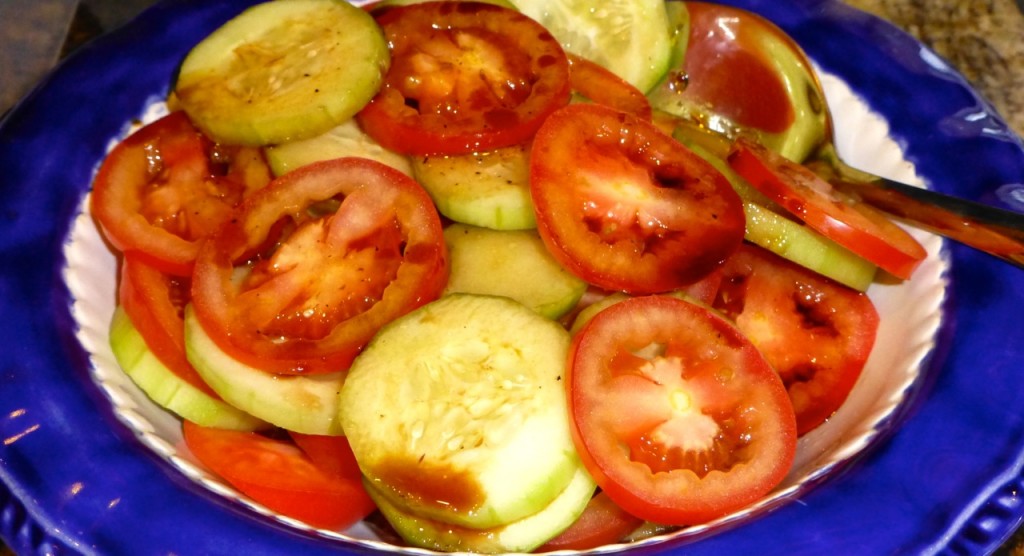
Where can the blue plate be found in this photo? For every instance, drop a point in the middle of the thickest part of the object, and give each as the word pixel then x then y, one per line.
pixel 75 479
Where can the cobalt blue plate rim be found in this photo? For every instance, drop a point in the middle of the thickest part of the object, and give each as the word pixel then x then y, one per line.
pixel 75 479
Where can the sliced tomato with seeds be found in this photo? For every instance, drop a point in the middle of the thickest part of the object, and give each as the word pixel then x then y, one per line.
pixel 277 474
pixel 166 188
pixel 625 207
pixel 816 333
pixel 316 262
pixel 464 77
pixel 854 225
pixel 154 302
pixel 676 415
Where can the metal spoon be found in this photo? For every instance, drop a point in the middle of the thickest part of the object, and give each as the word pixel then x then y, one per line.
pixel 992 230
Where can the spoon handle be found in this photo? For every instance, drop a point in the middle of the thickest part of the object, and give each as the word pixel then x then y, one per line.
pixel 989 229
pixel 995 231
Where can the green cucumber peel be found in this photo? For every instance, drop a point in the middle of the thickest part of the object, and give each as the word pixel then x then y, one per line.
pixel 513 264
pixel 165 388
pixel 770 228
pixel 457 412
pixel 303 404
pixel 521 536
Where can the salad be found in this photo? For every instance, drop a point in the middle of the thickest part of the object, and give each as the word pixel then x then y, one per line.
pixel 502 327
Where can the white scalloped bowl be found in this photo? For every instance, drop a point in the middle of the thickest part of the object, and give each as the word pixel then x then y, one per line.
pixel 910 319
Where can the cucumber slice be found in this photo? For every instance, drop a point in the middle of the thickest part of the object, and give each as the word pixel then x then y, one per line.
pixel 457 412
pixel 632 38
pixel 283 70
pixel 520 536
pixel 164 387
pixel 792 240
pixel 796 242
pixel 594 308
pixel 304 404
pixel 512 264
pixel 588 312
pixel 490 190
pixel 347 139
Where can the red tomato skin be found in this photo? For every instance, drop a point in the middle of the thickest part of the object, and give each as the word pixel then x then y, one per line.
pixel 332 454
pixel 278 475
pixel 706 289
pixel 603 522
pixel 817 334
pixel 856 226
pixel 678 497
pixel 626 207
pixel 154 306
pixel 602 86
pixel 158 195
pixel 116 202
pixel 430 104
pixel 224 309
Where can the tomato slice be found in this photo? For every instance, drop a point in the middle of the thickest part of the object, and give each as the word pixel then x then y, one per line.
pixel 278 475
pixel 154 301
pixel 332 454
pixel 816 333
pixel 600 85
pixel 705 290
pixel 166 188
pixel 856 226
pixel 316 262
pixel 603 522
pixel 676 414
pixel 464 77
pixel 625 207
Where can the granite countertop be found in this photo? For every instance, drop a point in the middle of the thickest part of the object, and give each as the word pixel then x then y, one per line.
pixel 984 39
